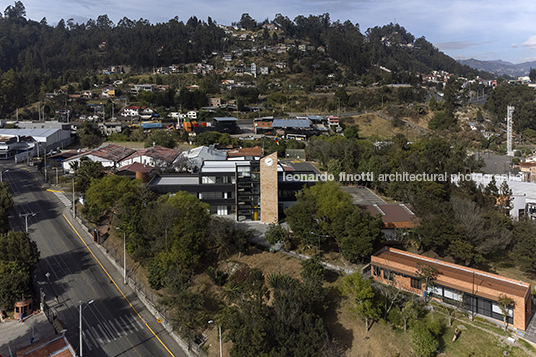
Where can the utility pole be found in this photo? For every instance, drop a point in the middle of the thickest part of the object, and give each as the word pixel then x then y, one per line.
pixel 25 215
pixel 45 165
pixel 124 258
pixel 74 203
pixel 2 172
pixel 81 303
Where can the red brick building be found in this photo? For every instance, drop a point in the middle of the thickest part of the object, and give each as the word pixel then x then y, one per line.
pixel 479 290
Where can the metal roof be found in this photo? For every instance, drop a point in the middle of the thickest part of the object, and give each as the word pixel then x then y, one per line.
pixel 291 123
pixel 225 119
pixel 39 133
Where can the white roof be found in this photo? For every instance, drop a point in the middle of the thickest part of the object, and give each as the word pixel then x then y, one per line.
pixel 41 133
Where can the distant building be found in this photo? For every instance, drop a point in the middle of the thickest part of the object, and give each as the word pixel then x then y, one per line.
pixel 109 156
pixel 136 88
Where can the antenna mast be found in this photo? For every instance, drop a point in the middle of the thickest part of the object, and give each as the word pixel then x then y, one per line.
pixel 509 136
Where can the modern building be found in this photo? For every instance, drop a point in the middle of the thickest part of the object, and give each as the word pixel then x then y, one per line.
pixel 256 190
pixel 226 125
pixel 477 290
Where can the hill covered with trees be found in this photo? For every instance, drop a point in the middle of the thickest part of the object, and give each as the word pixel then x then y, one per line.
pixel 36 57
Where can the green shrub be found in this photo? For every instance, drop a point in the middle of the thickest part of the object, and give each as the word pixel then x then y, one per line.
pixel 394 316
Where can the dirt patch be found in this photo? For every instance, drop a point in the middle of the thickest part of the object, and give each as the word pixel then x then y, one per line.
pixel 371 124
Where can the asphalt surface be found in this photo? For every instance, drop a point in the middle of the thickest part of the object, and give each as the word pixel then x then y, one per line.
pixel 116 323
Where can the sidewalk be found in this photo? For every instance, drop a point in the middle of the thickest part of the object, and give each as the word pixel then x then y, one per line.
pixel 14 334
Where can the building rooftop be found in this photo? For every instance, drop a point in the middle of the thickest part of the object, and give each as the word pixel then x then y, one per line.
pixel 393 215
pixel 56 346
pixel 225 119
pixel 254 151
pixel 136 167
pixel 156 152
pixel 109 152
pixel 291 123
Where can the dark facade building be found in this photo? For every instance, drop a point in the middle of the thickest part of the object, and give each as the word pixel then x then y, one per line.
pixel 233 187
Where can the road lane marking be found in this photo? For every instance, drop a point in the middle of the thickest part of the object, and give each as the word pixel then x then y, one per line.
pixel 126 326
pixel 104 334
pixel 117 286
pixel 121 330
pixel 132 322
pixel 113 327
pixel 99 339
pixel 90 334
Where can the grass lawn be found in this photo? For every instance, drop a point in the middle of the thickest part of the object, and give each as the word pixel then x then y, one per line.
pixel 370 124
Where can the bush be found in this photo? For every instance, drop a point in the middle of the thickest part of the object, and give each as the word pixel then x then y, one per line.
pixel 157 276
pixel 217 277
pixel 394 316
pixel 424 342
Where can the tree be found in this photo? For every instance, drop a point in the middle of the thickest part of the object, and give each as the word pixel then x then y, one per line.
pixel 362 235
pixel 408 312
pixel 524 251
pixel 427 274
pixel 441 121
pixel 89 135
pixel 6 205
pixel 366 303
pixel 108 193
pixel 160 137
pixel 16 11
pixel 247 22
pixel 505 304
pixel 275 234
pixel 14 282
pixel 352 132
pixel 424 342
pixel 86 172
pixel 189 316
pixel 19 256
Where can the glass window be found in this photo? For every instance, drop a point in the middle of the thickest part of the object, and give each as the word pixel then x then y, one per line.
pixel 415 283
pixel 388 274
pixel 222 210
pixel 376 270
pixel 225 179
pixel 452 294
pixel 212 195
pixel 495 308
pixel 484 307
pixel 208 179
pixel 244 171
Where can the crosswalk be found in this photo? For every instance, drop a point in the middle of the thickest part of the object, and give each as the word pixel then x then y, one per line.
pixel 63 199
pixel 111 330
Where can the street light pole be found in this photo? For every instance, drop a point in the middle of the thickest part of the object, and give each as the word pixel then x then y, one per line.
pixel 2 172
pixel 124 258
pixel 25 215
pixel 221 350
pixel 219 330
pixel 81 303
pixel 74 203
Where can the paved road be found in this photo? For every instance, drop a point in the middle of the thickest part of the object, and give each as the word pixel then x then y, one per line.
pixel 116 323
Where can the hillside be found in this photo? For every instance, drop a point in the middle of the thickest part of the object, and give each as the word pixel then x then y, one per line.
pixel 37 57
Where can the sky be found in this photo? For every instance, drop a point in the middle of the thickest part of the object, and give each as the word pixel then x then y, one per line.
pixel 484 30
